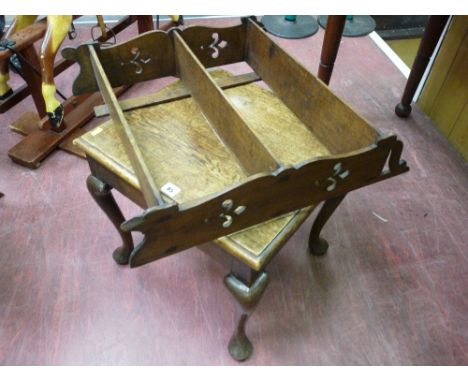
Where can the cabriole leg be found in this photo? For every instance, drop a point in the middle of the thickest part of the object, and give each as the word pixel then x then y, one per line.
pixel 101 193
pixel 247 293
pixel 317 245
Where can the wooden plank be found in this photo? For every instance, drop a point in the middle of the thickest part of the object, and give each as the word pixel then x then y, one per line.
pixel 260 198
pixel 453 93
pixel 149 189
pixel 31 150
pixel 326 115
pixel 18 95
pixel 177 93
pixel 459 134
pixel 219 110
pixel 68 146
pixel 276 126
pixel 26 123
pixel 442 64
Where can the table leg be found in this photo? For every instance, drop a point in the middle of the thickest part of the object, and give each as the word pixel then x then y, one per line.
pixel 247 287
pixel 317 245
pixel 331 44
pixel 101 193
pixel 145 23
pixel 434 28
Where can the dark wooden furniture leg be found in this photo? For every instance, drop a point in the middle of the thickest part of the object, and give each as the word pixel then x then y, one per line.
pixel 434 28
pixel 247 287
pixel 101 193
pixel 331 44
pixel 317 245
pixel 145 23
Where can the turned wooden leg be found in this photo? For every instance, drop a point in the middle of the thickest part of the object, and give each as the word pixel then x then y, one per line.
pixel 317 245
pixel 145 23
pixel 247 289
pixel 434 28
pixel 101 193
pixel 331 44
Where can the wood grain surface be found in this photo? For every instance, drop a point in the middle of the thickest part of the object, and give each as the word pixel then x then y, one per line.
pixel 177 93
pixel 326 115
pixel 168 149
pixel 226 122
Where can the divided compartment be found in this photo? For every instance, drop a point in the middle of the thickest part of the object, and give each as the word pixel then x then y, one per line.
pixel 249 163
pixel 215 139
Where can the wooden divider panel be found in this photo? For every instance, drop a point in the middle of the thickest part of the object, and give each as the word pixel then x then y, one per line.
pixel 148 187
pixel 222 115
pixel 333 122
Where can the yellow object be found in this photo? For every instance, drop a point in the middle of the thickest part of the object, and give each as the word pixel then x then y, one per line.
pixel 175 18
pixel 406 49
pixel 23 21
pixel 102 25
pixel 445 96
pixel 19 22
pixel 61 25
pixel 48 92
pixel 4 87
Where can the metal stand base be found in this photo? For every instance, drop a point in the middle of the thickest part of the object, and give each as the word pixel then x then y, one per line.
pixel 357 26
pixel 302 26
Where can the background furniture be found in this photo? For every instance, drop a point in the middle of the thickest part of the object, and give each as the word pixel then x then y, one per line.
pixel 444 97
pixel 355 26
pixel 290 26
pixel 434 28
pixel 331 44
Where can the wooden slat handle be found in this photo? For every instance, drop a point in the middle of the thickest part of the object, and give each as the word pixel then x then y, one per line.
pixel 148 187
pixel 220 111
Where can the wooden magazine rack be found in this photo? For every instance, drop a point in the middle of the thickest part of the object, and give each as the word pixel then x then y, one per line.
pixel 218 158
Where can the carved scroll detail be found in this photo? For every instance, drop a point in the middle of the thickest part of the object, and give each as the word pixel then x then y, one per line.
pixel 228 218
pixel 216 45
pixel 338 174
pixel 137 60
